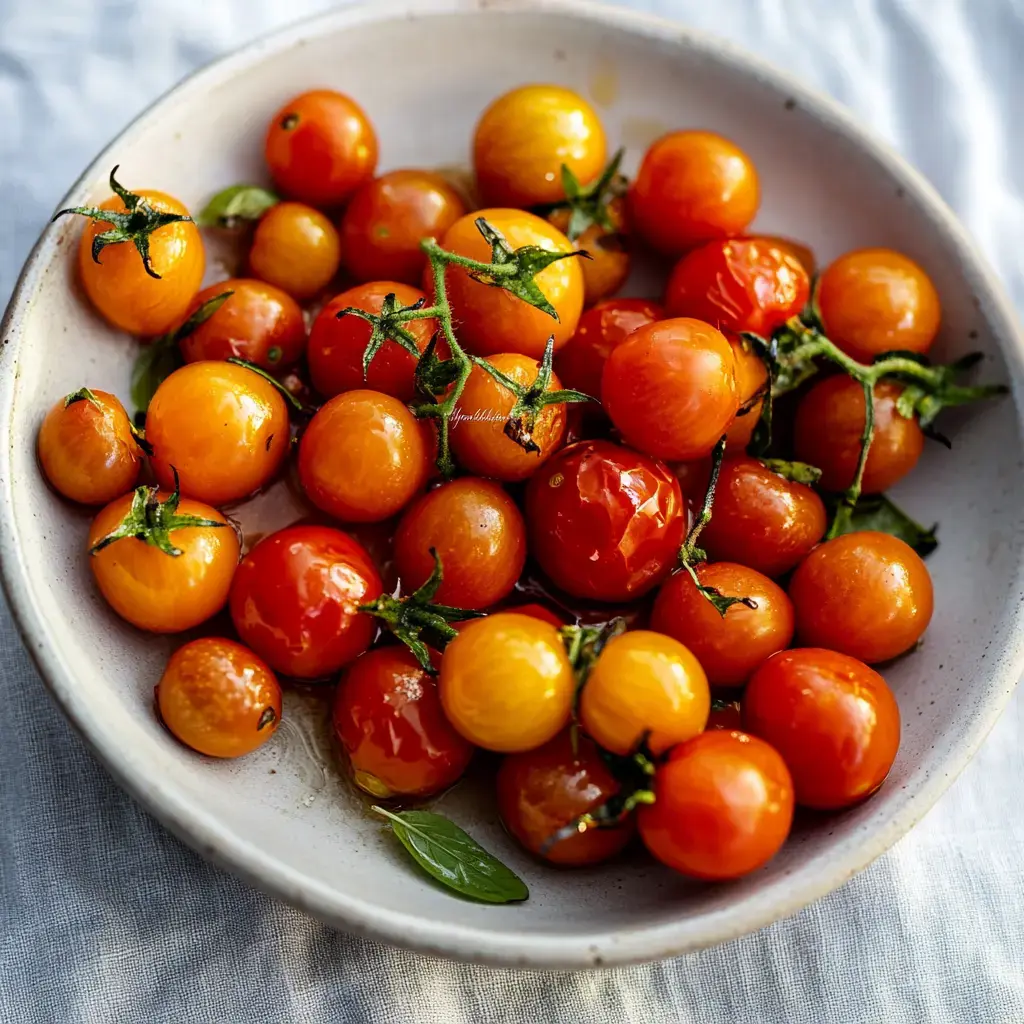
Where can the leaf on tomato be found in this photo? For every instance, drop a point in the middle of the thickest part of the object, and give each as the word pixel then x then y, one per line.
pixel 157 361
pixel 236 203
pixel 877 512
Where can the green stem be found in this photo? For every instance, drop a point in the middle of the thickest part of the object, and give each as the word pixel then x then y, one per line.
pixel 852 493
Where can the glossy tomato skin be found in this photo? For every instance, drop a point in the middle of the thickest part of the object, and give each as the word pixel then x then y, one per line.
pixel 158 592
pixel 296 596
pixel 751 385
pixel 506 682
pixel 738 284
pixel 388 719
pixel 608 267
pixel 723 806
pixel 218 698
pixel 644 684
pixel 802 253
pixel 605 522
pixel 223 427
pixel 692 187
pixel 834 721
pixel 525 136
pixel 478 435
pixel 320 147
pixel 87 449
pixel 876 300
pixel 543 790
pixel 829 426
pixel 602 328
pixel 479 536
pixel 865 594
pixel 670 388
pixel 491 320
pixel 760 519
pixel 388 217
pixel 729 647
pixel 119 287
pixel 295 248
pixel 259 323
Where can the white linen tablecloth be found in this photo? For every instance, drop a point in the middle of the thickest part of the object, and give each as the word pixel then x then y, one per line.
pixel 107 918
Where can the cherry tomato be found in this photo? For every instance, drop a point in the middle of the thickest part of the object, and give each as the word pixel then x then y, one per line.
pixel 336 346
pixel 830 423
pixel 738 284
pixel 118 284
pixel 725 714
pixel 601 330
pixel 692 187
pixel 761 519
pixel 608 267
pixel 644 684
pixel 296 596
pixel 491 320
pixel 543 790
pixel 875 300
pixel 506 682
pixel 605 522
pixel 478 534
pixel 478 435
pixel 525 136
pixel 728 647
pixel 363 457
pixel 259 323
pixel 221 426
pixel 751 382
pixel 295 248
pixel 387 219
pixel 160 592
pixel 723 806
pixel 866 594
pixel 320 147
pixel 87 449
pixel 389 721
pixel 670 388
pixel 218 698
pixel 538 611
pixel 800 252
pixel 834 720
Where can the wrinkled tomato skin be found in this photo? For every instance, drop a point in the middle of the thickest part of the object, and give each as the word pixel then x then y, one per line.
pixel 295 600
pixel 608 267
pixel 803 254
pixel 296 248
pixel 388 718
pixel 605 522
pixel 751 385
pixel 834 721
pixel 543 790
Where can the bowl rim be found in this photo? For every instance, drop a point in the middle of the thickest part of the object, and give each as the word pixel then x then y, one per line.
pixel 203 831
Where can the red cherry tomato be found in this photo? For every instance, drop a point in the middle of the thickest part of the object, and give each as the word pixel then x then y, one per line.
pixel 725 714
pixel 751 385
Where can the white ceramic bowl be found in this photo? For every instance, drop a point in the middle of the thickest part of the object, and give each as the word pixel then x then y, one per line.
pixel 282 818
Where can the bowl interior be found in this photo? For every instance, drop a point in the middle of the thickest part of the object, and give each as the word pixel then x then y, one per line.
pixel 283 816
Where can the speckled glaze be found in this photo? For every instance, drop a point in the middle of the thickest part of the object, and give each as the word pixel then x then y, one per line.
pixel 283 817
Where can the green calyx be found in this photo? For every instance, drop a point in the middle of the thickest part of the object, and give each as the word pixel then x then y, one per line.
pixel 797 472
pixel 236 204
pixel 134 224
pixel 386 326
pixel 588 205
pixel 81 395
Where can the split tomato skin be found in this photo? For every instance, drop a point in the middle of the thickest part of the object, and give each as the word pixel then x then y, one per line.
pixel 834 721
pixel 296 596
pixel 296 248
pixel 388 718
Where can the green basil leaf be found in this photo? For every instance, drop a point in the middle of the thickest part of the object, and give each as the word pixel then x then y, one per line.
pixel 157 361
pixel 454 858
pixel 236 203
pixel 877 512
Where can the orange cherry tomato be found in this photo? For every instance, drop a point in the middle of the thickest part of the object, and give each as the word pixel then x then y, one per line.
pixel 692 186
pixel 491 320
pixel 478 435
pixel 386 220
pixel 258 322
pixel 834 721
pixel 388 719
pixel 363 457
pixel 478 534
pixel 751 382
pixel 295 248
pixel 876 300
pixel 543 790
pixel 222 427
pixel 644 684
pixel 506 682
pixel 320 147
pixel 608 267
pixel 218 698
pixel 865 594
pixel 87 449
pixel 525 136
pixel 670 388
pixel 830 423
pixel 723 806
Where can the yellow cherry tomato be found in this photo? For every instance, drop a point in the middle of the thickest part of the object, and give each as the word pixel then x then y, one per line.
pixel 296 248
